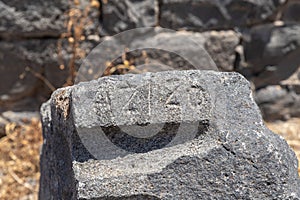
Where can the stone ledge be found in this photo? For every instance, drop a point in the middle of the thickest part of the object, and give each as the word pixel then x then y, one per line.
pixel 234 157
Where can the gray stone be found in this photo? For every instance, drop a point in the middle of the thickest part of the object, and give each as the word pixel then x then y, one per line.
pixel 23 90
pixel 210 141
pixel 221 45
pixel 271 56
pixel 207 15
pixel 32 18
pixel 165 50
pixel 293 80
pixel 38 19
pixel 279 102
pixel 39 55
pixel 211 48
pixel 118 16
pixel 272 53
pixel 291 11
pixel 30 33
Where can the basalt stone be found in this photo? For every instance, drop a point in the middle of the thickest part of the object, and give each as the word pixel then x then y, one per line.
pixel 279 102
pixel 272 53
pixel 118 16
pixel 31 69
pixel 291 11
pixel 158 49
pixel 39 19
pixel 32 18
pixel 167 135
pixel 21 61
pixel 207 15
pixel 221 46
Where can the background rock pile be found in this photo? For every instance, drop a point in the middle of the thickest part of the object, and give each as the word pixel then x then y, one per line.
pixel 41 43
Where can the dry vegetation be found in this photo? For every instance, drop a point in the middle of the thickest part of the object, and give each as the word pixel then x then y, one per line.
pixel 19 160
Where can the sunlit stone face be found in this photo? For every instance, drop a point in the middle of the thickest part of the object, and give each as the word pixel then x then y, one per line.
pixel 140 113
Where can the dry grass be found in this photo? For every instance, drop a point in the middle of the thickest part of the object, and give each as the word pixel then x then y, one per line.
pixel 19 161
pixel 78 20
pixel 290 130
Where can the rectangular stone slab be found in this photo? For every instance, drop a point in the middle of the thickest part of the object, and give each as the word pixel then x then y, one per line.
pixel 142 99
pixel 167 135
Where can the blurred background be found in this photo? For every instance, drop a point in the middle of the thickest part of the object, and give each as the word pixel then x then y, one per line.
pixel 42 44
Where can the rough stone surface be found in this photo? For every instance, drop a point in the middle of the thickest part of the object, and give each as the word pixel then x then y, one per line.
pixel 279 102
pixel 231 154
pixel 30 34
pixel 120 16
pixel 158 49
pixel 206 14
pixel 221 46
pixel 23 90
pixel 39 55
pixel 267 53
pixel 38 19
pixel 32 18
pixel 272 53
pixel 291 11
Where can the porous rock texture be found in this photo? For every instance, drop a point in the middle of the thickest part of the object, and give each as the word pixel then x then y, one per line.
pixel 34 34
pixel 213 144
pixel 32 19
pixel 273 51
pixel 206 14
pixel 158 49
pixel 291 11
pixel 41 19
pixel 26 66
pixel 257 38
pixel 279 102
pixel 120 16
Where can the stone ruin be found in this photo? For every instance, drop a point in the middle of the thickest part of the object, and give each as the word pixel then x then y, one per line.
pixel 167 135
pixel 257 38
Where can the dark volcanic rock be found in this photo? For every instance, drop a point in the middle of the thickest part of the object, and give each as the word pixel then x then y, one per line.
pixel 206 14
pixel 272 53
pixel 291 11
pixel 157 49
pixel 118 16
pixel 39 55
pixel 23 87
pixel 167 135
pixel 32 37
pixel 38 19
pixel 221 45
pixel 28 18
pixel 279 102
